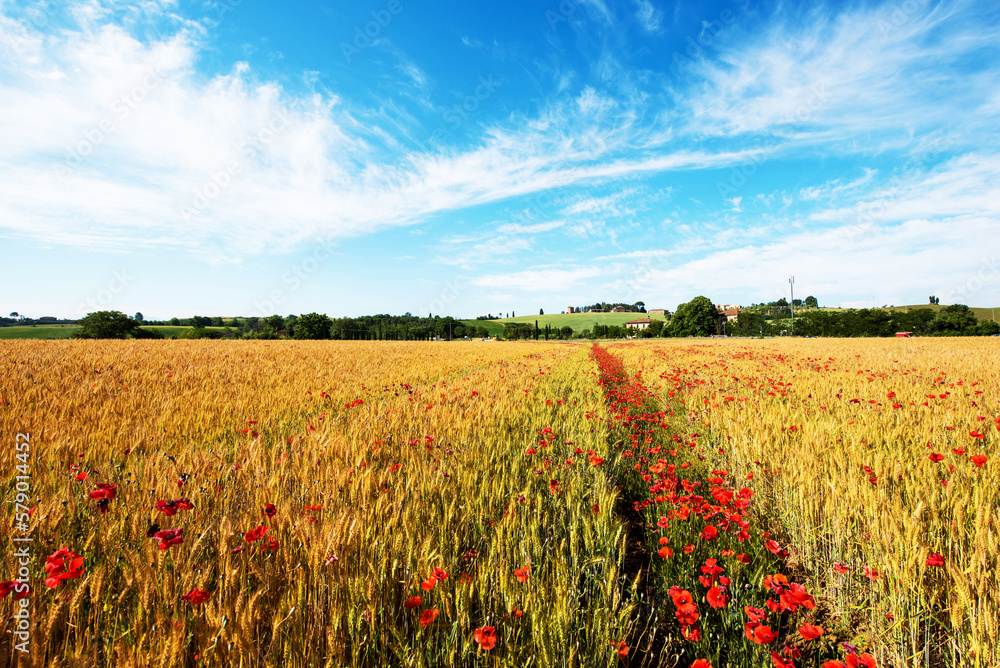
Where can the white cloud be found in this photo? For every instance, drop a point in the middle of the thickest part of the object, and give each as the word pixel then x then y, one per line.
pixel 106 155
pixel 614 205
pixel 647 15
pixel 891 264
pixel 826 76
pixel 539 280
pixel 638 255
pixel 836 186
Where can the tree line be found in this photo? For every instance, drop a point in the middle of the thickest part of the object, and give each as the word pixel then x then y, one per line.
pixel 698 317
pixel 317 326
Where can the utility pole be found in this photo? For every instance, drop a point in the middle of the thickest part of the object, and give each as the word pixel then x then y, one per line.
pixel 791 284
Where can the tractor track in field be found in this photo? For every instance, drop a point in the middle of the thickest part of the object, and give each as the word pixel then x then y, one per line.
pixel 632 405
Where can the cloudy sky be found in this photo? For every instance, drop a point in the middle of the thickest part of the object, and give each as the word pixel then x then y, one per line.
pixel 381 156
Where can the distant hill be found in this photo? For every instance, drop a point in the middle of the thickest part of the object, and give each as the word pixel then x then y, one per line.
pixel 578 321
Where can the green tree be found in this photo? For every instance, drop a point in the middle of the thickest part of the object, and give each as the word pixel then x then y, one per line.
pixel 274 324
pixel 313 326
pixel 749 323
pixel 957 318
pixel 106 325
pixel 697 317
pixel 812 302
pixel 138 317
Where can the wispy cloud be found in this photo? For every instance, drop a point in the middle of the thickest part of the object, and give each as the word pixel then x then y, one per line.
pixel 540 279
pixel 648 16
pixel 820 75
pixel 236 165
pixel 837 186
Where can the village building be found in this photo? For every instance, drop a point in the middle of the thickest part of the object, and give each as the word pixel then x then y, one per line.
pixel 641 323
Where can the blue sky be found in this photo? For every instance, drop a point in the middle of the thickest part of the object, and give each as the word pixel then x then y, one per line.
pixel 245 157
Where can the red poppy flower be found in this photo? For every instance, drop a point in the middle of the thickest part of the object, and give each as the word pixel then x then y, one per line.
pixel 863 661
pixel 775 548
pixel 795 596
pixel 104 491
pixel 755 614
pixel 701 663
pixel 665 552
pixel 20 589
pixel 781 662
pixel 936 456
pixel 841 568
pixel 935 559
pixel 439 573
pixel 429 583
pixel 681 596
pixel 711 568
pixel 717 597
pixel 486 637
pixel 270 510
pixel 763 635
pixel 171 507
pixel 428 616
pixel 709 533
pixel 62 565
pixel 691 633
pixel 687 614
pixel 978 460
pixel 810 632
pixel 522 573
pixel 168 537
pixel 255 534
pixel 196 596
pixel 621 648
pixel 775 583
pixel 413 602
pixel 834 664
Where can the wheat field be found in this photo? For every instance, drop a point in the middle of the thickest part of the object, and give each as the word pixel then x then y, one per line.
pixel 250 503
